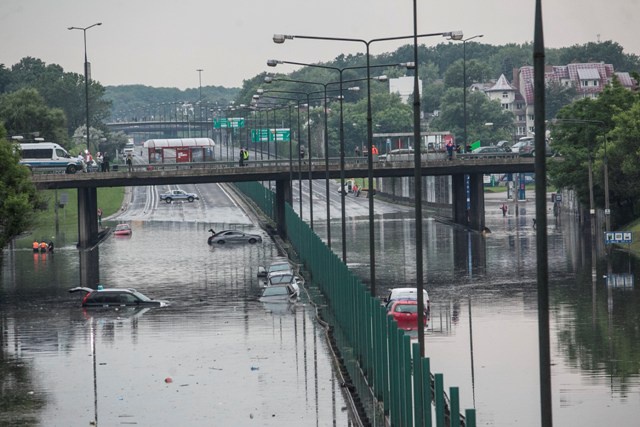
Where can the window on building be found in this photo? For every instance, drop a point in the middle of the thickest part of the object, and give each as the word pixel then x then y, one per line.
pixel 505 95
pixel 585 83
pixel 531 117
pixel 519 105
pixel 505 106
pixel 531 129
pixel 596 83
pixel 521 130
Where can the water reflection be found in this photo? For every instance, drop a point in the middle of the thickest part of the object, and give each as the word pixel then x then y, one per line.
pixel 483 331
pixel 228 355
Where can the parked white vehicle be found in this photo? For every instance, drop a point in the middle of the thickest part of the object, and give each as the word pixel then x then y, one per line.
pixel 48 156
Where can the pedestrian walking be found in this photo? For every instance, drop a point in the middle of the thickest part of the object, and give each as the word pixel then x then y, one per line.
pixel 245 157
pixel 504 208
pixel 130 162
pixel 99 217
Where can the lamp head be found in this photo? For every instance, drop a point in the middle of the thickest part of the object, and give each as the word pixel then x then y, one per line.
pixel 260 91
pixel 382 78
pixel 273 62
pixel 454 35
pixel 256 97
pixel 408 65
pixel 268 79
pixel 354 88
pixel 280 38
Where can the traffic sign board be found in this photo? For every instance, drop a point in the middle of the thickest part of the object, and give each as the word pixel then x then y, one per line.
pixel 271 135
pixel 611 237
pixel 228 122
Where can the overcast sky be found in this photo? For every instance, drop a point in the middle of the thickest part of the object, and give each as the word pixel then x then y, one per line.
pixel 162 43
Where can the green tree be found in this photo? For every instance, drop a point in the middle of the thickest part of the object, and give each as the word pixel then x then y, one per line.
pixel 25 113
pixel 480 111
pixel 18 196
pixel 556 97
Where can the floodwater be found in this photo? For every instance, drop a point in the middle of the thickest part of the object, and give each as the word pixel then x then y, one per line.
pixel 230 360
pixel 215 356
pixel 483 332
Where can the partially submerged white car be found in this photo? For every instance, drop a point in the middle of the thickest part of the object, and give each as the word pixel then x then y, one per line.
pixel 397 294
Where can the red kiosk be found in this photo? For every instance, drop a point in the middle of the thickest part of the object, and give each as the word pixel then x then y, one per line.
pixel 180 150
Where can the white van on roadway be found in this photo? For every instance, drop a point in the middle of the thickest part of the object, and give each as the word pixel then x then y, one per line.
pixel 48 156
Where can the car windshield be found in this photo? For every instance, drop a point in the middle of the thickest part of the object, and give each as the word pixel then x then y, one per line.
pixel 140 296
pixel 281 278
pixel 275 291
pixel 406 308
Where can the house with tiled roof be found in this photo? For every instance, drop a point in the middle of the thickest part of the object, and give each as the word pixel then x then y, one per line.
pixel 589 80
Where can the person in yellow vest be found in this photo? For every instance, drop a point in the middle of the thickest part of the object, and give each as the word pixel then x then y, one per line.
pixel 245 156
pixel 36 246
pixel 43 246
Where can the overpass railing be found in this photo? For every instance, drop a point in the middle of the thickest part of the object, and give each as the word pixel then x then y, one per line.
pixel 369 340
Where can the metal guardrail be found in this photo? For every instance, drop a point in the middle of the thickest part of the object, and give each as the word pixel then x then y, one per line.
pixel 395 372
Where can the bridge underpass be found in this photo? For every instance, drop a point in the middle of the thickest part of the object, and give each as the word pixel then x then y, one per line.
pixel 284 173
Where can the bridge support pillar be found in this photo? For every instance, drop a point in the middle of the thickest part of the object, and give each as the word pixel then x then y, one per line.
pixel 87 217
pixel 476 195
pixel 459 199
pixel 283 195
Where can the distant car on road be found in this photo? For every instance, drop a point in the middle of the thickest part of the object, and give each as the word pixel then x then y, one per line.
pixel 233 236
pixel 178 195
pixel 116 297
pixel 490 151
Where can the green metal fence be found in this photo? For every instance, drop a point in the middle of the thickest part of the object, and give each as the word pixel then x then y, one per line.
pixel 399 378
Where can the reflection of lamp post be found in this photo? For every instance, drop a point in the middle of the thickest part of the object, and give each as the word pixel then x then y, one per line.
pixel 87 75
pixel 280 38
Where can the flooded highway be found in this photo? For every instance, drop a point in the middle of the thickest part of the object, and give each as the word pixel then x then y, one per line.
pixel 216 354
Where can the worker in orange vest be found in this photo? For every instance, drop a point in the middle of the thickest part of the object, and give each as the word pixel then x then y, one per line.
pixel 36 246
pixel 374 150
pixel 43 246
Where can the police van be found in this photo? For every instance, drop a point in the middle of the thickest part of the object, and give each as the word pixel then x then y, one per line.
pixel 48 156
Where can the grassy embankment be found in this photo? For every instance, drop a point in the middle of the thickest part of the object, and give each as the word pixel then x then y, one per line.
pixel 44 226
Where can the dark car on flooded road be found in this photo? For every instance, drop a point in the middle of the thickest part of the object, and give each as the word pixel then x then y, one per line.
pixel 116 297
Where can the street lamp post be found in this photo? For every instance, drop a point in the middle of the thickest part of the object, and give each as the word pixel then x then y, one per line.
pixel 87 76
pixel 275 62
pixel 464 83
pixel 280 38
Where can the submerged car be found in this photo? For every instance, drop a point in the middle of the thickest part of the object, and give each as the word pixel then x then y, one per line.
pixel 123 230
pixel 396 294
pixel 178 195
pixel 233 236
pixel 405 313
pixel 284 278
pixel 275 267
pixel 116 297
pixel 279 293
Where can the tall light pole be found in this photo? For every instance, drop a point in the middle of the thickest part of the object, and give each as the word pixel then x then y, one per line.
pixel 200 70
pixel 464 83
pixel 275 62
pixel 280 38
pixel 87 75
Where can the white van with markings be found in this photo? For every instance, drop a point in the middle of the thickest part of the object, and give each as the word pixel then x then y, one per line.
pixel 48 156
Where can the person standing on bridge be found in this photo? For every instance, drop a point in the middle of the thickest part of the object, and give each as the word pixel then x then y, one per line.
pixel 241 163
pixel 450 150
pixel 130 162
pixel 245 156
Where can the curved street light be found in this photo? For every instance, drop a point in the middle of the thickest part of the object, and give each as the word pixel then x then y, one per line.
pixel 275 62
pixel 453 35
pixel 87 75
pixel 464 82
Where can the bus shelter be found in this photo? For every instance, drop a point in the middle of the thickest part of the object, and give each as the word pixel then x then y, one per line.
pixel 180 150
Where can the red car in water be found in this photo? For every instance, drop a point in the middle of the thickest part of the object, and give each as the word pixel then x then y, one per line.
pixel 405 313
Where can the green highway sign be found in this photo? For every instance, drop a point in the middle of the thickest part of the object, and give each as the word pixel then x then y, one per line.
pixel 271 135
pixel 228 122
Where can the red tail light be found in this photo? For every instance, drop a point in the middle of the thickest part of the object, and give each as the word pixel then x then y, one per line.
pixel 84 300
